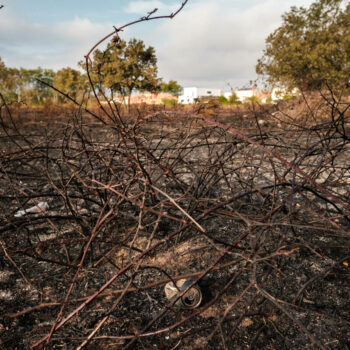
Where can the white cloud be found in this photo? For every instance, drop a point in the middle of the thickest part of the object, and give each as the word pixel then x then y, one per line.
pixel 54 45
pixel 143 7
pixel 211 43
pixel 208 44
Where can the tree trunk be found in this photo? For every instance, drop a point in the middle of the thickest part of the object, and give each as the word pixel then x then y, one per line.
pixel 129 99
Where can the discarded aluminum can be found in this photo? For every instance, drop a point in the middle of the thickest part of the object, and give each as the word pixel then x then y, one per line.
pixel 190 300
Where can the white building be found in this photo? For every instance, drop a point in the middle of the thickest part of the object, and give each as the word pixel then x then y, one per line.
pixel 281 93
pixel 244 94
pixel 190 94
pixel 228 94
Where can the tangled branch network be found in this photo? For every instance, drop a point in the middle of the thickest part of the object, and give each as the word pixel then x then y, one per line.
pixel 107 205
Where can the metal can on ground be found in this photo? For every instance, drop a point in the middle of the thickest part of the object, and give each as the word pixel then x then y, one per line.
pixel 191 299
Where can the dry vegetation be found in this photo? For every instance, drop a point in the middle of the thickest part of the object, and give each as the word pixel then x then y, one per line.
pixel 100 208
pixel 252 201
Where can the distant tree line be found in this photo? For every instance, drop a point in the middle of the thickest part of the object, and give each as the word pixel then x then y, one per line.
pixel 121 69
pixel 22 85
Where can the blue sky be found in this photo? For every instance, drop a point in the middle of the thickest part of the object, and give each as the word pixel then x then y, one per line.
pixel 209 44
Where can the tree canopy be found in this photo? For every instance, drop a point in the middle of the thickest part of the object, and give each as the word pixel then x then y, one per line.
pixel 21 85
pixel 124 67
pixel 171 87
pixel 71 82
pixel 311 49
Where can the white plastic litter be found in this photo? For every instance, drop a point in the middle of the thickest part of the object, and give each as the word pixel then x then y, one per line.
pixel 40 207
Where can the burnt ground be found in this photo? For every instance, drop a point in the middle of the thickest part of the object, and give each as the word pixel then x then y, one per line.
pixel 263 223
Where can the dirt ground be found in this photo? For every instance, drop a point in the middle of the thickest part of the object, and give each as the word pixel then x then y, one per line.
pixel 258 214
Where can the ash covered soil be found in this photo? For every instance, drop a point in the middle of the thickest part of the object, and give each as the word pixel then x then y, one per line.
pixel 263 224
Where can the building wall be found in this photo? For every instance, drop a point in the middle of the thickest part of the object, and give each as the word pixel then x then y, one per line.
pixel 228 94
pixel 189 95
pixel 209 92
pixel 243 95
pixel 192 93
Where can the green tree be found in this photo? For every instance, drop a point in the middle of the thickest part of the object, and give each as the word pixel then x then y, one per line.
pixel 311 49
pixel 172 87
pixel 125 67
pixel 22 85
pixel 234 99
pixel 71 82
pixel 2 66
pixel 254 99
pixel 223 100
pixel 30 89
pixel 8 81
